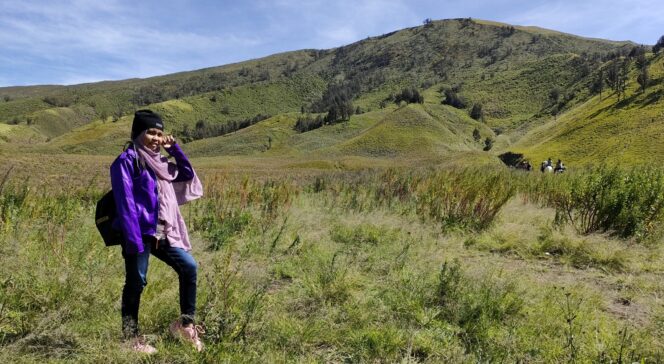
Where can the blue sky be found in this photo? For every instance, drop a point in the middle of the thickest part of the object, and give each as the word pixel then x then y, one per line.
pixel 77 41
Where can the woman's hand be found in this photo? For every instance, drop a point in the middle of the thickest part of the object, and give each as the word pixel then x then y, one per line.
pixel 168 141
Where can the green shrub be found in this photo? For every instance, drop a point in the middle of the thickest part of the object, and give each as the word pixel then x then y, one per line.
pixel 479 308
pixel 458 199
pixel 230 307
pixel 468 200
pixel 579 254
pixel 626 203
pixel 365 234
pixel 219 229
pixel 231 207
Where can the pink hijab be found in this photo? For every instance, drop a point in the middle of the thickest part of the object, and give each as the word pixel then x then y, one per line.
pixel 171 194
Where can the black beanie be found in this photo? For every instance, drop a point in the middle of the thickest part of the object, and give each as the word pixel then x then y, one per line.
pixel 144 120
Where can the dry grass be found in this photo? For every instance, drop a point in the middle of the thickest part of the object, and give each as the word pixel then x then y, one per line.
pixel 315 281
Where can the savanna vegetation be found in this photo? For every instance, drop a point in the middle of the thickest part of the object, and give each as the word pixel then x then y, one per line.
pixel 456 265
pixel 355 206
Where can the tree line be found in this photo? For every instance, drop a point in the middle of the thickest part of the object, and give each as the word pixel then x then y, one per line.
pixel 204 129
pixel 336 103
pixel 615 74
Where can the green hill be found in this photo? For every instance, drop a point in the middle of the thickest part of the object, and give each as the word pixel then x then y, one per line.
pixel 609 130
pixel 510 71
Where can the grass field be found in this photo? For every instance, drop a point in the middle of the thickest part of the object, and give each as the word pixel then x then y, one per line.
pixel 369 266
pixel 393 236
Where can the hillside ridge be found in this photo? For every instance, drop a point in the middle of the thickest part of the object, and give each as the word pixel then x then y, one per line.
pixel 507 72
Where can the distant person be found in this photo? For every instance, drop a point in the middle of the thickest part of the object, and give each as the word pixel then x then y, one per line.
pixel 560 168
pixel 148 189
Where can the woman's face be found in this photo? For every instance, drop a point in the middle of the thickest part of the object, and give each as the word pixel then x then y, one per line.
pixel 153 138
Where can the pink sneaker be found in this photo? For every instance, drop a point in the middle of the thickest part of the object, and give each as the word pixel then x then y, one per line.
pixel 139 344
pixel 188 333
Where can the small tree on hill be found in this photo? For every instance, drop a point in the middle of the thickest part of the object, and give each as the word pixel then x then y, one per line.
pixel 612 74
pixel 117 114
pixel 488 144
pixel 641 60
pixel 307 122
pixel 643 78
pixel 622 78
pixel 476 135
pixel 554 95
pixel 103 115
pixel 554 111
pixel 659 45
pixel 616 76
pixel 453 99
pixel 476 112
pixel 637 51
pixel 598 84
pixel 410 96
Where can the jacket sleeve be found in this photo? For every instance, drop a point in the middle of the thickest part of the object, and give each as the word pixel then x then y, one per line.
pixel 185 170
pixel 122 183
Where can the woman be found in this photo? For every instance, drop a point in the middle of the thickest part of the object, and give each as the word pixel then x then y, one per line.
pixel 148 189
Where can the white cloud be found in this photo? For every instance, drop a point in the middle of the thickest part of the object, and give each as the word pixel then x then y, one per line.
pixel 113 39
pixel 104 32
pixel 609 19
pixel 328 24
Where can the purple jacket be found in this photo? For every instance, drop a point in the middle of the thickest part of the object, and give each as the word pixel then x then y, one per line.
pixel 135 193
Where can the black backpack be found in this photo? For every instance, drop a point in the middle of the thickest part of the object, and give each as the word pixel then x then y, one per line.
pixel 105 214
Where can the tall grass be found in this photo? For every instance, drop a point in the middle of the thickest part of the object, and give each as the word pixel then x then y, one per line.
pixel 624 202
pixel 328 269
pixel 230 206
pixel 457 199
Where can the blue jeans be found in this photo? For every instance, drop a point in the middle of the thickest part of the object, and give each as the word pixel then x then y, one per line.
pixel 136 269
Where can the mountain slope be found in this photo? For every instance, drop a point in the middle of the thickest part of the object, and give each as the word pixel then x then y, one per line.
pixel 510 71
pixel 609 130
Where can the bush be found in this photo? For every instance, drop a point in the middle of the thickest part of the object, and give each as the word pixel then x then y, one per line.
pixel 362 235
pixel 580 254
pixel 308 122
pixel 659 45
pixel 453 99
pixel 410 96
pixel 230 310
pixel 476 135
pixel 468 200
pixel 230 210
pixel 205 129
pixel 488 144
pixel 478 308
pixel 626 203
pixel 218 230
pixel 476 112
pixel 64 99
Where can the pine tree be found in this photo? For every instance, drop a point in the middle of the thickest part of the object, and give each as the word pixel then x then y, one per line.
pixel 643 78
pixel 476 112
pixel 598 84
pixel 476 135
pixel 659 45
pixel 622 78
